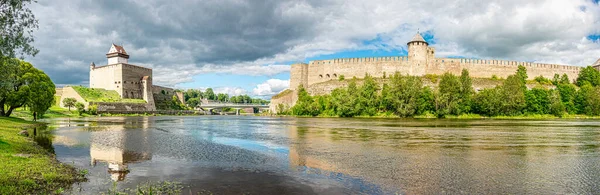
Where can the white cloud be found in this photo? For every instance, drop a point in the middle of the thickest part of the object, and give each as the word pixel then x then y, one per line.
pixel 248 38
pixel 271 87
pixel 231 91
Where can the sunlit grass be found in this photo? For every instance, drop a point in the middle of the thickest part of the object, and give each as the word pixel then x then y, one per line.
pixel 26 167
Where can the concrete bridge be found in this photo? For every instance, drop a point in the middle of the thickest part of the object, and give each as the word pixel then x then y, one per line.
pixel 210 106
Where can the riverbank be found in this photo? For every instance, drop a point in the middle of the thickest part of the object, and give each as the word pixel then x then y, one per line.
pixel 463 116
pixel 28 167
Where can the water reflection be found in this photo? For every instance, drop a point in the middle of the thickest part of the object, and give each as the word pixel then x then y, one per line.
pixel 120 143
pixel 340 156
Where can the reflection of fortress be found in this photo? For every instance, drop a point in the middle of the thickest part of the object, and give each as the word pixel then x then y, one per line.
pixel 117 149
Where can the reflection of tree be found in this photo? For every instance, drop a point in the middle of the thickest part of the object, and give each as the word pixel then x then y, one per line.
pixel 119 145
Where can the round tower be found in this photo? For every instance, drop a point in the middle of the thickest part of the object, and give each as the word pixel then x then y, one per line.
pixel 417 48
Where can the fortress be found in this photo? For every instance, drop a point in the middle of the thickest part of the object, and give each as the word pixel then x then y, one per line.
pixel 128 80
pixel 421 60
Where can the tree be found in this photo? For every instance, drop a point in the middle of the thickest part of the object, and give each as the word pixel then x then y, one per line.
pixel 538 101
pixel 24 85
pixel 403 94
pixel 305 106
pixel 367 96
pixel 488 102
pixel 588 75
pixel 513 95
pixel 69 102
pixel 80 108
pixel 17 23
pixel 466 91
pixel 210 94
pixel 448 98
pixel 221 97
pixel 193 102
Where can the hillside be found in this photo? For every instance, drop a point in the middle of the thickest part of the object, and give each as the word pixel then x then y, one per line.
pixel 102 95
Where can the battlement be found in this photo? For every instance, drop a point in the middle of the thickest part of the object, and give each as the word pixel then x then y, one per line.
pixel 360 60
pixel 131 66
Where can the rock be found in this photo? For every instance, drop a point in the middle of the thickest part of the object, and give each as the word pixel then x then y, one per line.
pixel 24 133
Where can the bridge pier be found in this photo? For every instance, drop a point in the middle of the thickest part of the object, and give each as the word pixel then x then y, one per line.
pixel 237 111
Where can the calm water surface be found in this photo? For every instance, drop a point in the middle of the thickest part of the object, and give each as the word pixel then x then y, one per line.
pixel 261 155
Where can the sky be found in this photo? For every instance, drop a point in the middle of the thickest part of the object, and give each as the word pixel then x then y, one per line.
pixel 247 46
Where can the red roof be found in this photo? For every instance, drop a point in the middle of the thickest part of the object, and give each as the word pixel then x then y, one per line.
pixel 119 49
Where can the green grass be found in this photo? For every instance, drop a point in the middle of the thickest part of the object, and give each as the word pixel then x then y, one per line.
pixel 102 95
pixel 53 112
pixel 27 167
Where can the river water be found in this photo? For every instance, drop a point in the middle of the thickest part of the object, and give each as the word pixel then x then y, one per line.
pixel 272 155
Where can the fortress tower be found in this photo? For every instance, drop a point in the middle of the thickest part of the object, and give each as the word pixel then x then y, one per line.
pixel 116 54
pixel 419 54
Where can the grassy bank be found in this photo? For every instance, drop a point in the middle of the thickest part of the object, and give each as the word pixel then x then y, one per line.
pixel 28 167
pixel 463 116
pixel 53 112
pixel 103 95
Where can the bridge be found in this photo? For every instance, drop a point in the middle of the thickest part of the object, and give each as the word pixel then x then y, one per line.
pixel 210 106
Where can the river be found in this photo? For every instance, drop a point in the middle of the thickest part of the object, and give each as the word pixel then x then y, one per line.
pixel 279 155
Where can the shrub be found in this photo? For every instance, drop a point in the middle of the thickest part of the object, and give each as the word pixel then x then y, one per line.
pixel 80 108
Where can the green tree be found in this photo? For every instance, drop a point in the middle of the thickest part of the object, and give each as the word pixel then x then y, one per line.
pixel 80 108
pixel 24 85
pixel 448 98
pixel 466 92
pixel 210 94
pixel 222 97
pixel 17 23
pixel 588 100
pixel 193 102
pixel 368 97
pixel 305 106
pixel 426 101
pixel 564 79
pixel 488 102
pixel 69 102
pixel 557 108
pixel 568 93
pixel 538 101
pixel 403 95
pixel 588 75
pixel 513 95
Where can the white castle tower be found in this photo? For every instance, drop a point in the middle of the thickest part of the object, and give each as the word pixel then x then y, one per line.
pixel 116 55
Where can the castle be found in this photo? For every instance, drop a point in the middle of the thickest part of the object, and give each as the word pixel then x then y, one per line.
pixel 128 80
pixel 421 60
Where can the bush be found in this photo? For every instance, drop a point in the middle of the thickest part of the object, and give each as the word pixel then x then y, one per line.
pixel 93 109
pixel 341 77
pixel 80 108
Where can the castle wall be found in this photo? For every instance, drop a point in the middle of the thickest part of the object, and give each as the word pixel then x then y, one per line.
pixel 298 75
pixel 107 77
pixel 325 70
pixel 132 86
pixel 500 68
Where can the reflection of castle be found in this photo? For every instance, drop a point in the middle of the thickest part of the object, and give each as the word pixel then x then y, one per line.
pixel 119 146
pixel 117 159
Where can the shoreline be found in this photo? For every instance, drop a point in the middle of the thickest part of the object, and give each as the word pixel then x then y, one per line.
pixel 28 162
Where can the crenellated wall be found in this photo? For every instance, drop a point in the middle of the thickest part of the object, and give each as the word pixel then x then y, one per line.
pixel 323 70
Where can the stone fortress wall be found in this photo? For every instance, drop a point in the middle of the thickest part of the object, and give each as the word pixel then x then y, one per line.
pixel 323 70
pixel 420 61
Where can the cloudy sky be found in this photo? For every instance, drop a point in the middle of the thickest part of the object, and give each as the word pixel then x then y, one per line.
pixel 246 46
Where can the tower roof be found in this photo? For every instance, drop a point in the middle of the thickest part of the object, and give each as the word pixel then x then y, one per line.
pixel 418 38
pixel 117 49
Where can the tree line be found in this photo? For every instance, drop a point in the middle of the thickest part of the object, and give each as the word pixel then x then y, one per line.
pixel 193 97
pixel 406 96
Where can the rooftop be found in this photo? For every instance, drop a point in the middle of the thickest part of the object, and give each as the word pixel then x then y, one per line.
pixel 417 38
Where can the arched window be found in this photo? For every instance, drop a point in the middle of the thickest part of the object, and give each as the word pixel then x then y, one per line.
pixel 320 76
pixel 334 75
pixel 327 75
pixel 132 95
